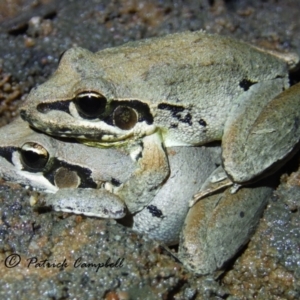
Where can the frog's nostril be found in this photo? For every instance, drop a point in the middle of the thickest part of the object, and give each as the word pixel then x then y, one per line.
pixel 23 114
pixel 43 108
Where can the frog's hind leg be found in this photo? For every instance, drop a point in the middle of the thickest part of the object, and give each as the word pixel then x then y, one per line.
pixel 218 226
pixel 262 130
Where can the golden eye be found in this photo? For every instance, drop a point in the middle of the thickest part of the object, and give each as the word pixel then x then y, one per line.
pixel 90 105
pixel 125 117
pixel 34 157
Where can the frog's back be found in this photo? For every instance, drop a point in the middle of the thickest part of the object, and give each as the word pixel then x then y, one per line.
pixel 212 56
pixel 189 79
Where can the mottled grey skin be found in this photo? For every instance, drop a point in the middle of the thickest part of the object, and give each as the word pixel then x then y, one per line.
pixel 100 163
pixel 198 88
pixel 105 167
pixel 89 202
pixel 73 165
pixel 212 234
pixel 164 216
pixel 218 226
pixel 273 136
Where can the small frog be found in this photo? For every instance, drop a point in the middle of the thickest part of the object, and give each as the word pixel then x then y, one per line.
pixel 73 175
pixel 192 88
pixel 48 164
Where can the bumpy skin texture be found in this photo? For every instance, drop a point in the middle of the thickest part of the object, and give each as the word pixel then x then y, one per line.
pixel 273 133
pixel 90 202
pixel 152 171
pixel 216 229
pixel 72 165
pixel 93 165
pixel 192 86
pixel 163 218
pixel 189 89
pixel 218 226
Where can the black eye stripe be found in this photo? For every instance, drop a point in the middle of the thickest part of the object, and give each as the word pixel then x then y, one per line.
pixel 142 109
pixel 7 153
pixel 58 105
pixel 85 174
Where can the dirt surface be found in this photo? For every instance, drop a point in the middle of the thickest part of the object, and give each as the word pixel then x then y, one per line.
pixel 33 34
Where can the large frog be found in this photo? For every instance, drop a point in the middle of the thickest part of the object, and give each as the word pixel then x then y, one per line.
pixel 192 88
pixel 78 179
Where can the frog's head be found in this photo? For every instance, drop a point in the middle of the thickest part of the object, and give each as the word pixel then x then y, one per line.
pixel 75 173
pixel 39 161
pixel 80 101
pixel 47 164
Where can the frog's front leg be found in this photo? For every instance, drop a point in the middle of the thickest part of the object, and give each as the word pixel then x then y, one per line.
pixel 262 131
pixel 218 226
pixel 153 169
pixel 90 202
pixel 216 181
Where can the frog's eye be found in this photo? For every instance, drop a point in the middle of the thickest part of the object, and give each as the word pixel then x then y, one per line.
pixel 90 105
pixel 125 117
pixel 34 157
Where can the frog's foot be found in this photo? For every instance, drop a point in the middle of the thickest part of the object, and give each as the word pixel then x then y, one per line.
pixel 218 226
pixel 146 181
pixel 216 181
pixel 90 202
